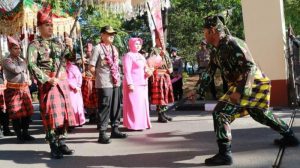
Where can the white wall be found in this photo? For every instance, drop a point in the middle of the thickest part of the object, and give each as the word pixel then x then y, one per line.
pixel 265 35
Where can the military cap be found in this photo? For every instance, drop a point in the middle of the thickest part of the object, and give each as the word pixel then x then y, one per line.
pixel 173 49
pixel 214 21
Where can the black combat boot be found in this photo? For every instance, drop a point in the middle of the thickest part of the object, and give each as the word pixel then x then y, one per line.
pixel 17 128
pixel 55 152
pixel 161 118
pixel 26 136
pixel 5 122
pixel 289 139
pixel 1 133
pixel 169 118
pixel 115 133
pixel 25 127
pixel 103 138
pixel 64 149
pixel 223 157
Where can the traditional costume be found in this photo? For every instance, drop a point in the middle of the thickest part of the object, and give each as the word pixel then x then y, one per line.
pixel 17 96
pixel 56 110
pixel 161 85
pixel 135 102
pixel 89 91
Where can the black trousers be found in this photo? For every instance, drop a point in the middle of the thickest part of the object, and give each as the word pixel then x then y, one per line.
pixel 4 120
pixel 177 89
pixel 109 107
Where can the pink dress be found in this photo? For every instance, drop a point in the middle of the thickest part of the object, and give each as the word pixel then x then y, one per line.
pixel 75 81
pixel 135 103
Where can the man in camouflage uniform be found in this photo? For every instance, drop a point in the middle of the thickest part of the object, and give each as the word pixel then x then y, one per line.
pixel 249 90
pixel 17 96
pixel 43 59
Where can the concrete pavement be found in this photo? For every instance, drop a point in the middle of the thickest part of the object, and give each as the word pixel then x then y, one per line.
pixel 185 142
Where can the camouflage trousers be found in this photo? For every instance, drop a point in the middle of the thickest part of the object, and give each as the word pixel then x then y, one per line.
pixel 161 108
pixel 224 114
pixel 55 135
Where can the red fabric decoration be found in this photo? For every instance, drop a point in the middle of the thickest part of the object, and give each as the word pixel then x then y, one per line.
pixel 11 42
pixel 44 16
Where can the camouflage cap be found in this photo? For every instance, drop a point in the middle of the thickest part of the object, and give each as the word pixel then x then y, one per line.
pixel 217 21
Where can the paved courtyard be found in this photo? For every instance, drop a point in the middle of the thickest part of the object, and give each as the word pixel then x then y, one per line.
pixel 185 142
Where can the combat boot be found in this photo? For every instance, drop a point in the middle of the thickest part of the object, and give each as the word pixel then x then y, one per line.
pixel 55 152
pixel 103 138
pixel 26 136
pixel 169 118
pixel 223 157
pixel 289 139
pixel 5 122
pixel 161 118
pixel 17 128
pixel 116 133
pixel 64 149
pixel 1 133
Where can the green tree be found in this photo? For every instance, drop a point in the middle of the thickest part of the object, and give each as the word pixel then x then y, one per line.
pixel 186 20
pixel 292 13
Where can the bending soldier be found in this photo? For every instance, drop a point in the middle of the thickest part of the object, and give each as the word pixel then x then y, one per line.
pixel 249 89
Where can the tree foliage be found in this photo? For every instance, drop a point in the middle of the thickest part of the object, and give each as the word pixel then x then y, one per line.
pixel 292 13
pixel 186 20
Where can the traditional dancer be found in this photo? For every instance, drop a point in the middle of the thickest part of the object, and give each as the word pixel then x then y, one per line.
pixel 161 85
pixel 17 96
pixel 89 91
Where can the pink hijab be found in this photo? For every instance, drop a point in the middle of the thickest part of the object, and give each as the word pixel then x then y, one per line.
pixel 131 44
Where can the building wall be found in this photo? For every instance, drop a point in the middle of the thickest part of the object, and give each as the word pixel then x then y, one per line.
pixel 265 35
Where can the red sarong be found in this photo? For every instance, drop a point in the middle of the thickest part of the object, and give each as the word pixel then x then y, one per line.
pixel 89 93
pixel 56 110
pixel 18 102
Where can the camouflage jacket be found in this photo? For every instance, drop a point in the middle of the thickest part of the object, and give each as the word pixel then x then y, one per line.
pixel 44 56
pixel 235 62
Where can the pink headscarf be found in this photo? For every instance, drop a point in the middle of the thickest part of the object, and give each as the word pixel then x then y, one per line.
pixel 131 44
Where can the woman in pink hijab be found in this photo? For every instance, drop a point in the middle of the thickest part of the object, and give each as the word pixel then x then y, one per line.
pixel 75 82
pixel 135 88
